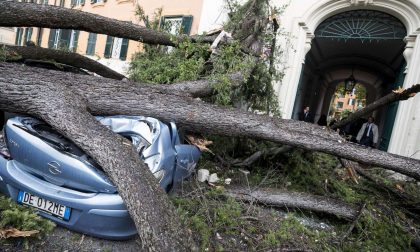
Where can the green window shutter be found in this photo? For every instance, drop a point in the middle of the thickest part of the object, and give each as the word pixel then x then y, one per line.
pixel 82 2
pixel 108 47
pixel 124 49
pixel 39 36
pixel 72 3
pixel 19 32
pixel 186 24
pixel 51 38
pixel 64 39
pixel 162 24
pixel 75 41
pixel 28 34
pixel 90 50
pixel 30 30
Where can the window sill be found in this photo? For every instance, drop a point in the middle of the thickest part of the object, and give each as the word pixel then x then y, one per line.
pixel 98 4
pixel 124 1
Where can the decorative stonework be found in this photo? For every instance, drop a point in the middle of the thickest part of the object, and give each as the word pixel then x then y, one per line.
pixel 408 52
pixel 308 40
pixel 361 2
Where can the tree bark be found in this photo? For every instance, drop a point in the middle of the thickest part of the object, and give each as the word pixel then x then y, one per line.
pixel 111 97
pixel 387 99
pixel 274 197
pixel 198 88
pixel 68 58
pixel 155 217
pixel 272 152
pixel 21 14
pixel 17 14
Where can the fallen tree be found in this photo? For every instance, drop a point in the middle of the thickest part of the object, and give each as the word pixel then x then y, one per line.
pixel 21 53
pixel 111 97
pixel 398 95
pixel 66 111
pixel 281 199
pixel 198 88
pixel 21 92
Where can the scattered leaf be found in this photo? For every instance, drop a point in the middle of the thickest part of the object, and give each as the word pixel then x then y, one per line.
pixel 352 174
pixel 399 187
pixel 399 90
pixel 200 143
pixel 13 232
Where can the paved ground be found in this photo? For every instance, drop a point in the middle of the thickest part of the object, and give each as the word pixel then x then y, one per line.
pixel 61 240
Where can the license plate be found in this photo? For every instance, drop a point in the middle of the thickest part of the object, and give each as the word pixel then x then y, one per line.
pixel 44 205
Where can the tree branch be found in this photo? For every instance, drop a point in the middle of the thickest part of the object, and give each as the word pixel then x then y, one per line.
pixel 387 99
pixel 17 14
pixel 68 58
pixel 20 14
pixel 275 197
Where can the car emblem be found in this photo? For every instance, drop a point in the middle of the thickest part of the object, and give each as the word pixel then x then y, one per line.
pixel 54 167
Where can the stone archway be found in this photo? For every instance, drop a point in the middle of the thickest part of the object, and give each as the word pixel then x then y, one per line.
pixel 405 139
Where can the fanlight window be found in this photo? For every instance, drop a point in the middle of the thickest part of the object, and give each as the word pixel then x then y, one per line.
pixel 366 25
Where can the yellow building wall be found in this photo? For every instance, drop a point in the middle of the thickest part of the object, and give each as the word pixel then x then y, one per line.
pixel 7 35
pixel 124 10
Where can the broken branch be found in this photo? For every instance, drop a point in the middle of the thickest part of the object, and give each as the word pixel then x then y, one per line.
pixel 72 59
pixel 283 199
pixel 387 99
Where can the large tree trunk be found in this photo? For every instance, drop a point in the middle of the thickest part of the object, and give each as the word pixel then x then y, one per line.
pixel 157 223
pixel 110 97
pixel 21 53
pixel 197 88
pixel 387 99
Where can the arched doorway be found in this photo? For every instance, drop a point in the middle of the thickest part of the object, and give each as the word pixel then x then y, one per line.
pixel 366 44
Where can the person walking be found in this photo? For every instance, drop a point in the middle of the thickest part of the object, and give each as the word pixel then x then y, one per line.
pixel 368 134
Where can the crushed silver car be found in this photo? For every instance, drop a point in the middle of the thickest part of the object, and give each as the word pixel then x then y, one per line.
pixel 42 169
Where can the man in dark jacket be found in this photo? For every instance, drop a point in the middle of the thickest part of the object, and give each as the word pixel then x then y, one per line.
pixel 306 116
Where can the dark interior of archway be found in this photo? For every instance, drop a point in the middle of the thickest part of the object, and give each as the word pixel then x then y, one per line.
pixel 378 64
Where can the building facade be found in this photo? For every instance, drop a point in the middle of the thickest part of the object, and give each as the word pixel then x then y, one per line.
pixel 7 35
pixel 376 41
pixel 116 53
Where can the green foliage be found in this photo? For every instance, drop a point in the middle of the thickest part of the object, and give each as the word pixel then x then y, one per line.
pixel 157 66
pixel 191 61
pixel 210 213
pixel 22 218
pixel 378 231
pixel 151 23
pixel 3 53
pixel 291 231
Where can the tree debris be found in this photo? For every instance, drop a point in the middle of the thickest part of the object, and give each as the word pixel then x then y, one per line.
pixel 283 199
pixel 13 232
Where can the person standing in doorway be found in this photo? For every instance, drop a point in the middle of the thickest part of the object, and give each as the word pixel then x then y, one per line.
pixel 368 134
pixel 306 115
